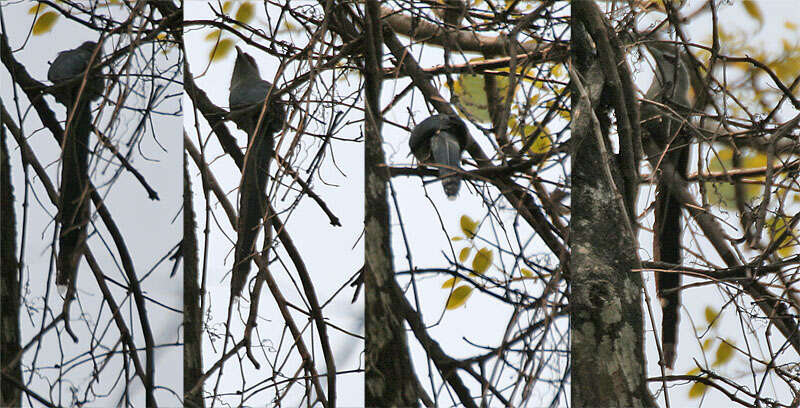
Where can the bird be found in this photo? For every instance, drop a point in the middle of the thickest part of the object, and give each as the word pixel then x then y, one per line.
pixel 670 87
pixel 65 73
pixel 65 70
pixel 441 139
pixel 247 95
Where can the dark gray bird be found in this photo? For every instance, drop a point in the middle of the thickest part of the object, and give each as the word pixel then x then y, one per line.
pixel 66 73
pixel 670 88
pixel 247 95
pixel 440 140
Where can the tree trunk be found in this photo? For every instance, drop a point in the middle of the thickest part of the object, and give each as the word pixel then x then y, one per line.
pixel 389 375
pixel 9 284
pixel 608 362
pixel 192 314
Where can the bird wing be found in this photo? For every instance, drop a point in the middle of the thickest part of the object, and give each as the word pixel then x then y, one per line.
pixel 249 93
pixel 68 64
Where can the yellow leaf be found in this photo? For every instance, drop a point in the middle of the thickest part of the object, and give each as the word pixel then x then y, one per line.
pixel 482 260
pixel 458 297
pixel 754 160
pixel 752 9
pixel 790 25
pixel 711 315
pixel 724 353
pixel 723 193
pixel 697 390
pixel 542 143
pixel 457 238
pixel 706 345
pixel 213 35
pixel 36 7
pixel 450 282
pixel 526 272
pixel 226 7
pixel 468 226
pixel 694 371
pixel 221 50
pixel 245 13
pixel 557 71
pixel 464 254
pixel 45 22
pixel 289 27
pixel 777 225
pixel 472 101
pixel 788 67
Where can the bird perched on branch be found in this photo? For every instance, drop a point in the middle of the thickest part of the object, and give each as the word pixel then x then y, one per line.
pixel 67 72
pixel 75 88
pixel 248 95
pixel 664 122
pixel 440 140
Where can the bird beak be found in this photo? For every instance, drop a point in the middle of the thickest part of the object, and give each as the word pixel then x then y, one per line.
pixel 238 51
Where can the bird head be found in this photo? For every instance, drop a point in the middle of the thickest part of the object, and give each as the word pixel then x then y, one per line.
pixel 669 59
pixel 244 68
pixel 88 46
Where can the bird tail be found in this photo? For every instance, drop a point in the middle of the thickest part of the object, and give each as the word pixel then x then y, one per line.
pixel 447 152
pixel 74 201
pixel 252 207
pixel 667 243
pixel 245 243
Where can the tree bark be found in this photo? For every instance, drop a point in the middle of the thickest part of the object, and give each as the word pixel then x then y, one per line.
pixel 389 375
pixel 608 361
pixel 608 364
pixel 9 285
pixel 192 314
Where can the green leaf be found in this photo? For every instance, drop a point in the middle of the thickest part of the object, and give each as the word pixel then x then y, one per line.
pixel 526 272
pixel 458 297
pixel 723 193
pixel 45 22
pixel 472 101
pixel 482 261
pixel 468 226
